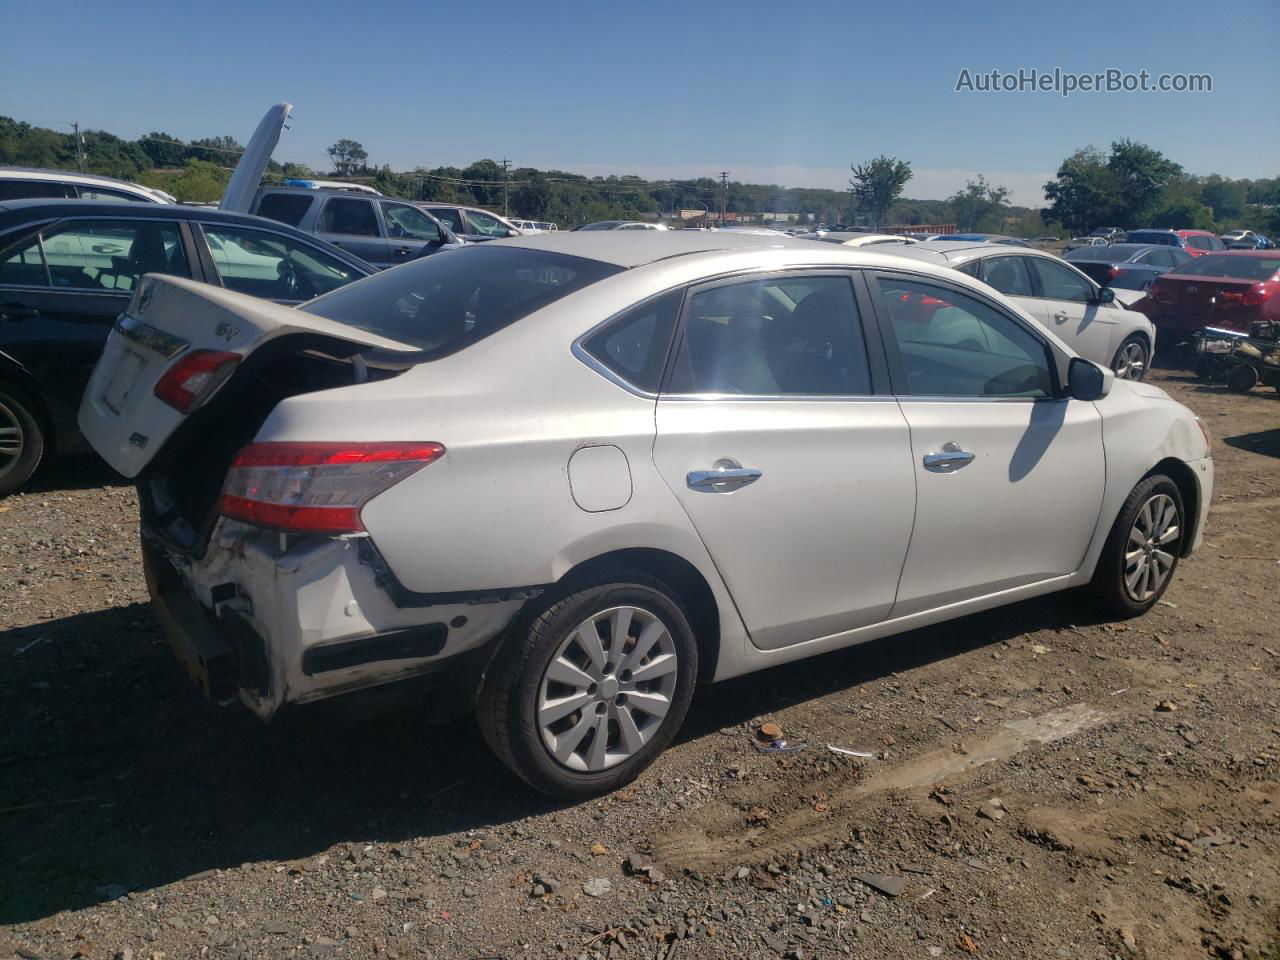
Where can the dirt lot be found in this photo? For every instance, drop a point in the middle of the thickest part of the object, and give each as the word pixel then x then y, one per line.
pixel 1137 768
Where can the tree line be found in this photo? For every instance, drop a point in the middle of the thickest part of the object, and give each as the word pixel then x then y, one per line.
pixel 1133 185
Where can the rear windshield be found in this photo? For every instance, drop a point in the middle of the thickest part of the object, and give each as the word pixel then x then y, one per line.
pixel 1143 236
pixel 1238 268
pixel 452 299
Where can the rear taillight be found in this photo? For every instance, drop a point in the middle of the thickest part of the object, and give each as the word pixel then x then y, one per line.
pixel 1113 272
pixel 316 487
pixel 194 378
pixel 1259 293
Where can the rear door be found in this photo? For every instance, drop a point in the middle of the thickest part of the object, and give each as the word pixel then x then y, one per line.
pixel 795 471
pixel 352 223
pixel 1008 474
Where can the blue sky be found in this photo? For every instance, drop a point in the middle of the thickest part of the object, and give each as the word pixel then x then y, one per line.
pixel 776 92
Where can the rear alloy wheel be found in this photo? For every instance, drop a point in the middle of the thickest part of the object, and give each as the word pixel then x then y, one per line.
pixel 1131 359
pixel 1142 549
pixel 1242 378
pixel 584 695
pixel 21 442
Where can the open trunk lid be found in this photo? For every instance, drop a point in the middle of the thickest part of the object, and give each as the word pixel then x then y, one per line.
pixel 170 319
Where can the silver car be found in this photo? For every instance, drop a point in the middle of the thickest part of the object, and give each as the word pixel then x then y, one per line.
pixel 561 479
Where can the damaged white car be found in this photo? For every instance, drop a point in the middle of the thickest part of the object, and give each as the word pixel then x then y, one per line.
pixel 559 479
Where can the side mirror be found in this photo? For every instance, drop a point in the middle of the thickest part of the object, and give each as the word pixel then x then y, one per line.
pixel 1087 380
pixel 513 232
pixel 1105 295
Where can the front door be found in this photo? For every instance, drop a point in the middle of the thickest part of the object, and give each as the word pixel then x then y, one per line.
pixel 1008 473
pixel 1068 305
pixel 796 474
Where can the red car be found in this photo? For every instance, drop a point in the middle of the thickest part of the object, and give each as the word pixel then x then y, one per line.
pixel 1228 290
pixel 1199 242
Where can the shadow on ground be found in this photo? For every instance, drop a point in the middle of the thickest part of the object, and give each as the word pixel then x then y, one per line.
pixel 113 771
pixel 1264 442
pixel 83 472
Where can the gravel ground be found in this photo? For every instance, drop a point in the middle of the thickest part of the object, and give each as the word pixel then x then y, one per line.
pixel 1044 784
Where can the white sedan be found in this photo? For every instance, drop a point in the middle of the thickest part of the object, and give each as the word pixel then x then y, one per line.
pixel 561 479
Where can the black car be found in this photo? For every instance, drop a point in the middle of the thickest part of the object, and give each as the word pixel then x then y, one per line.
pixel 68 269
pixel 1128 266
pixel 471 223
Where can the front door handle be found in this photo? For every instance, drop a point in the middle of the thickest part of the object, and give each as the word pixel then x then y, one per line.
pixel 1061 316
pixel 16 311
pixel 725 477
pixel 403 251
pixel 950 459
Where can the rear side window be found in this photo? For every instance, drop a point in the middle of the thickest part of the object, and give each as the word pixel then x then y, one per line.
pixel 287 208
pixel 634 346
pixel 1008 275
pixel 112 255
pixel 34 189
pixel 354 218
pixel 1200 243
pixel 23 266
pixel 450 218
pixel 105 193
pixel 445 303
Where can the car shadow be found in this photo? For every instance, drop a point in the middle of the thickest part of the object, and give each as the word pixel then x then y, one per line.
pixel 80 472
pixel 1265 442
pixel 115 774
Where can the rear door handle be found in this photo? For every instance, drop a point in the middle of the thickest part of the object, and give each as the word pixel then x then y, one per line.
pixel 16 311
pixel 722 479
pixel 950 459
pixel 1061 316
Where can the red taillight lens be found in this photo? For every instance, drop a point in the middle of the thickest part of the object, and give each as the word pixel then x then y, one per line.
pixel 193 379
pixel 1259 293
pixel 1113 272
pixel 316 487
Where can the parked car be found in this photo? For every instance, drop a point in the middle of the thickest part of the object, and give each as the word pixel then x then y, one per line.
pixel 379 230
pixel 859 239
pixel 1108 234
pixel 1076 243
pixel 530 227
pixel 525 506
pixel 1228 290
pixel 1256 242
pixel 69 267
pixel 341 185
pixel 621 225
pixel 29 183
pixel 1238 236
pixel 1083 314
pixel 1127 266
pixel 471 223
pixel 1195 242
pixel 981 238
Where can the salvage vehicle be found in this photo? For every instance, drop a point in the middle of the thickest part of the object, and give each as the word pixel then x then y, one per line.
pixel 67 270
pixel 559 479
pixel 1126 266
pixel 1229 290
pixel 380 230
pixel 1089 318
pixel 1242 360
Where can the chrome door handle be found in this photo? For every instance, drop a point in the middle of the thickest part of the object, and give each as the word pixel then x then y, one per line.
pixel 724 479
pixel 1061 316
pixel 949 460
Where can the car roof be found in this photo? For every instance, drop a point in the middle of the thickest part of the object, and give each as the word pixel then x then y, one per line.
pixel 1268 254
pixel 635 248
pixel 953 252
pixel 1133 249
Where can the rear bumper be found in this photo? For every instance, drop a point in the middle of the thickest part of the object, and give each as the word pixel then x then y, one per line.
pixel 272 623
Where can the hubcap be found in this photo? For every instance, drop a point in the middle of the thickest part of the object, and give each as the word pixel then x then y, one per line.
pixel 11 439
pixel 1132 362
pixel 1149 555
pixel 607 689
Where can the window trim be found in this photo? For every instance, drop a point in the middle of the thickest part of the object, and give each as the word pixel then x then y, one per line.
pixel 210 265
pixel 876 359
pixel 579 350
pixel 897 371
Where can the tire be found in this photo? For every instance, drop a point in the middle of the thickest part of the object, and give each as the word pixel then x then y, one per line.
pixel 1242 378
pixel 1128 549
pixel 21 441
pixel 1203 369
pixel 1132 359
pixel 547 639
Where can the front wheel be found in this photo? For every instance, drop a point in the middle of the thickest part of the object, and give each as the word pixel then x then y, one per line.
pixel 1132 359
pixel 1142 550
pixel 591 686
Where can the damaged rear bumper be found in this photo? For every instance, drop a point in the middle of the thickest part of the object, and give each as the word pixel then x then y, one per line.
pixel 272 621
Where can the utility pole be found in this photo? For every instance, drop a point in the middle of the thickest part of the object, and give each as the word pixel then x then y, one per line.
pixel 79 146
pixel 724 191
pixel 505 165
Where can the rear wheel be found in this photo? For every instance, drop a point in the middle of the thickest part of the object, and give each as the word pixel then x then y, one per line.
pixel 1132 359
pixel 21 441
pixel 1142 550
pixel 591 686
pixel 1242 378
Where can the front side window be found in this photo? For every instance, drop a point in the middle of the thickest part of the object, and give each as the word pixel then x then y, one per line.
pixel 111 254
pixel 1200 243
pixel 781 336
pixel 446 303
pixel 408 223
pixel 273 267
pixel 354 218
pixel 1009 275
pixel 634 346
pixel 1060 282
pixel 485 225
pixel 954 345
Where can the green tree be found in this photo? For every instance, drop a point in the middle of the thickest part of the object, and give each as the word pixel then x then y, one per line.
pixel 876 184
pixel 532 199
pixel 224 151
pixel 1227 198
pixel 163 149
pixel 348 156
pixel 1141 175
pixel 979 206
pixel 1083 194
